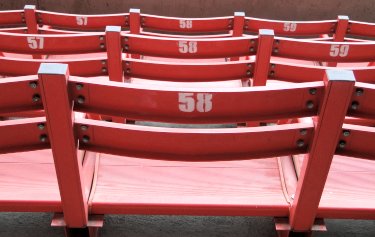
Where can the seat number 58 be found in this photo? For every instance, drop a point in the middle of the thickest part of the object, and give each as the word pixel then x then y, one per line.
pixel 190 102
pixel 187 46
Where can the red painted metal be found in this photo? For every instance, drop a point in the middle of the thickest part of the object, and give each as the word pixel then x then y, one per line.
pixel 31 23
pixel 263 58
pixel 30 17
pixel 19 94
pixel 339 89
pixel 77 67
pixel 113 40
pixel 23 135
pixel 339 36
pixel 324 51
pixel 228 104
pixel 189 48
pixel 291 72
pixel 238 26
pixel 82 22
pixel 361 28
pixel 174 24
pixel 194 145
pixel 188 72
pixel 362 101
pixel 52 44
pixel 234 148
pixel 357 141
pixel 15 17
pixel 301 28
pixel 53 82
pixel 135 25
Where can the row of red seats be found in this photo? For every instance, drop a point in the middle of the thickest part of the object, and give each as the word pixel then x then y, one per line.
pixel 151 23
pixel 128 169
pixel 150 170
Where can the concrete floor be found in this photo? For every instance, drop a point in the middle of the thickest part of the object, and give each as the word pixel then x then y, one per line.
pixel 31 225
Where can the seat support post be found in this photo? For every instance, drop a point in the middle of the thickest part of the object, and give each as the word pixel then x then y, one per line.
pixel 339 86
pixel 53 80
pixel 31 23
pixel 341 29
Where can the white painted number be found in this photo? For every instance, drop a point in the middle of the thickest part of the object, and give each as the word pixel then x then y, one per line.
pixel 81 20
pixel 186 24
pixel 187 46
pixel 189 102
pixel 35 42
pixel 290 26
pixel 339 50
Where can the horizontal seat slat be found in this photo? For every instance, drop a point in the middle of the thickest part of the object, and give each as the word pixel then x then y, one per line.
pixel 11 17
pixel 290 28
pixel 324 51
pixel 362 28
pixel 188 72
pixel 23 135
pixel 189 48
pixel 82 22
pixel 77 67
pixel 187 25
pixel 192 144
pixel 359 143
pixel 199 105
pixel 17 94
pixel 52 44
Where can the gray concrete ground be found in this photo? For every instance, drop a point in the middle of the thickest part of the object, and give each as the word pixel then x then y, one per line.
pixel 31 225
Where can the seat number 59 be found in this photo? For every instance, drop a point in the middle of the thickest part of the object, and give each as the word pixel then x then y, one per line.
pixel 339 50
pixel 190 102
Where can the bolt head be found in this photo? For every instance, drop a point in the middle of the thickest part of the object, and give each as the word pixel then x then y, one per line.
pixel 310 104
pixel 79 86
pixel 43 138
pixel 86 139
pixel 36 98
pixel 101 37
pixel 359 91
pixel 355 105
pixel 126 47
pixel 276 50
pixel 104 69
pixel 248 73
pixel 342 144
pixel 312 91
pixel 102 46
pixel 41 126
pixel 252 49
pixel 81 99
pixel 346 133
pixel 303 132
pixel 84 127
pixel 33 84
pixel 300 143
